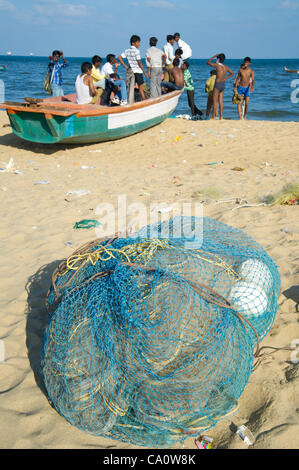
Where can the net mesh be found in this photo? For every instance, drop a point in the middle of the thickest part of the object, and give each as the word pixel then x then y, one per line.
pixel 151 338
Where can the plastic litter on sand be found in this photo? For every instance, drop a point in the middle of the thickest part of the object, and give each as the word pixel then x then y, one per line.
pixel 42 182
pixel 79 192
pixel 246 435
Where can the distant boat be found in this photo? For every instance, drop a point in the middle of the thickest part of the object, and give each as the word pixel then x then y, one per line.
pixel 9 53
pixel 31 53
pixel 62 120
pixel 291 71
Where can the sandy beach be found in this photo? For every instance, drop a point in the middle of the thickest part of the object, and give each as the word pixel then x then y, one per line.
pixel 176 161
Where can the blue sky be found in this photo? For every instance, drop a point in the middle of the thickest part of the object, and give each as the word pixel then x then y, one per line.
pixel 258 28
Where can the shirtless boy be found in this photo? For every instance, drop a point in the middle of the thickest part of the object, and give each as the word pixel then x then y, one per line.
pixel 244 84
pixel 176 76
pixel 221 77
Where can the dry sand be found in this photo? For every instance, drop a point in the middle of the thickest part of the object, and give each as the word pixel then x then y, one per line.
pixel 37 220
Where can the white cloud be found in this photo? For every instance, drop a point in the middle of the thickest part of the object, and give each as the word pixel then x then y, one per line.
pixel 160 4
pixel 59 9
pixel 6 6
pixel 290 5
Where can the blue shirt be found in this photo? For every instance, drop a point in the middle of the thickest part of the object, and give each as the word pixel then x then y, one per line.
pixel 57 78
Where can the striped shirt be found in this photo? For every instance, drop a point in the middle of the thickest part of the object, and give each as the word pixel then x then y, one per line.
pixel 57 78
pixel 189 84
pixel 133 55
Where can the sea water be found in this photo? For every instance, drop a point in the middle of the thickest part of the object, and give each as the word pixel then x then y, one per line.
pixel 272 99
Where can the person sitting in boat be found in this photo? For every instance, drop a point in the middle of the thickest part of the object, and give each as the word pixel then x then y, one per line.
pixel 55 69
pixel 107 89
pixel 109 70
pixel 85 89
pixel 99 80
pixel 176 76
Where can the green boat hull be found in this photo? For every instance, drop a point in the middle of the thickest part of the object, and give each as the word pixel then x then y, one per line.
pixel 86 127
pixel 35 127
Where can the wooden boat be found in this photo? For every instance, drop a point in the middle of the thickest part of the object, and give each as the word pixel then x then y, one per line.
pixel 2 68
pixel 61 120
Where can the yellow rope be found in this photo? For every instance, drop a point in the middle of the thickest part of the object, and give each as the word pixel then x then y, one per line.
pixel 93 258
pixel 221 264
pixel 144 250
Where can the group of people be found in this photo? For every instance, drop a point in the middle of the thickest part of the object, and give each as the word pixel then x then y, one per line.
pixel 168 70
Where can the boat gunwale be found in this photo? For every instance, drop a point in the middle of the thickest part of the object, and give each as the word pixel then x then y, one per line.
pixel 54 109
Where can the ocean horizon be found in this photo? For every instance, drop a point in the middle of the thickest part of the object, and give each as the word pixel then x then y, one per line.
pixel 270 101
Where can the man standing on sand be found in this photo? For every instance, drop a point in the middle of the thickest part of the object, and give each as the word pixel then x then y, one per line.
pixel 221 77
pixel 187 51
pixel 189 87
pixel 244 84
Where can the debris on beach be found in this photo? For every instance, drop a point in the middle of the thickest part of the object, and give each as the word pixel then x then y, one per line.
pixel 246 435
pixel 238 168
pixel 9 168
pixel 167 210
pixel 214 163
pixel 204 442
pixel 86 224
pixel 184 116
pixel 288 196
pixel 236 200
pixel 42 182
pixel 208 192
pixel 79 192
pixel 289 231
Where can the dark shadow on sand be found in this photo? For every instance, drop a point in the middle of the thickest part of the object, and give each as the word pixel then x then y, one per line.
pixel 12 140
pixel 293 294
pixel 37 317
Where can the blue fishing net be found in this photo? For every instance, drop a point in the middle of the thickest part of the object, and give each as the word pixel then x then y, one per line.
pixel 152 338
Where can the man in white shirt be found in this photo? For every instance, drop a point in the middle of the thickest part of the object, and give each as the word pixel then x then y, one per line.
pixel 134 59
pixel 111 73
pixel 168 51
pixel 155 59
pixel 187 51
